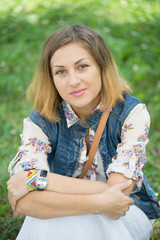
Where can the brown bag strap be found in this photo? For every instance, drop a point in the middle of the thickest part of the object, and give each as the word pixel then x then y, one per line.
pixel 95 143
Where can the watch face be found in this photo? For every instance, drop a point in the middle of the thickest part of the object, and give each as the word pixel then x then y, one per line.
pixel 41 183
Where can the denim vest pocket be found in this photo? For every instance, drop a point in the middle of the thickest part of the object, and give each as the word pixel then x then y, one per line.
pixel 151 209
pixel 147 201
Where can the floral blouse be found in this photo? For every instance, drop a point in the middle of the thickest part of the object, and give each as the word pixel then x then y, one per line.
pixel 129 160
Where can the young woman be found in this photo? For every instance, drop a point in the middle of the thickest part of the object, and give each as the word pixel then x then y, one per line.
pixel 76 81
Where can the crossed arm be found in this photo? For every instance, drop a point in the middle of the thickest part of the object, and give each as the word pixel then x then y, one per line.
pixel 66 196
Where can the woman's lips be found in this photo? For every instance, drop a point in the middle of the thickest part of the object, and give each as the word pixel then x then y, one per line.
pixel 78 93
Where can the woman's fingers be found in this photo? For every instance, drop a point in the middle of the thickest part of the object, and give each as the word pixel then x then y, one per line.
pixel 17 188
pixel 17 185
pixel 131 201
pixel 12 200
pixel 123 214
pixel 115 202
pixel 13 205
pixel 115 216
pixel 15 214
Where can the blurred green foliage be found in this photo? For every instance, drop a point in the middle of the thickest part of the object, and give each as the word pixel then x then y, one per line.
pixel 130 28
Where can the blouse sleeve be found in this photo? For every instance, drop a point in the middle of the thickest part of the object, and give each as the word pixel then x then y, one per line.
pixel 131 155
pixel 33 151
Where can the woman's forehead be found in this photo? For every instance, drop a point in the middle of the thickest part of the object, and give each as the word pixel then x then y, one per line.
pixel 70 52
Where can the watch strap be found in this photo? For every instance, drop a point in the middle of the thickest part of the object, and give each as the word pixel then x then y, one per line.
pixel 31 179
pixel 43 173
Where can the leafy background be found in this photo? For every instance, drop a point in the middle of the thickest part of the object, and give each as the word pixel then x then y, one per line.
pixel 132 31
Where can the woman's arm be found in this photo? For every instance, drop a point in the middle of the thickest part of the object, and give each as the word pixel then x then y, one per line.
pixel 131 156
pixel 69 185
pixel 47 204
pixel 79 197
pixel 17 186
pixel 115 178
pixel 62 184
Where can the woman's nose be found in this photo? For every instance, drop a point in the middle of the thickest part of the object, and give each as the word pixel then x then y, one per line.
pixel 74 79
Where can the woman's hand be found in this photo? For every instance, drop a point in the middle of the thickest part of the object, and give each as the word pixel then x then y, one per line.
pixel 114 203
pixel 17 188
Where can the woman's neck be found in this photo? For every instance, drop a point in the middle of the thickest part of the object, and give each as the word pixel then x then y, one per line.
pixel 85 112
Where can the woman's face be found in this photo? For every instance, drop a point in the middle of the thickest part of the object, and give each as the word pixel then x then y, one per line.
pixel 76 76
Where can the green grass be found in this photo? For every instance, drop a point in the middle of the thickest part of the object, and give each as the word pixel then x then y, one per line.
pixel 131 29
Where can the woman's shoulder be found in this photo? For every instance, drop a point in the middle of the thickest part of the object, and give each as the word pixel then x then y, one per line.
pixel 44 123
pixel 122 108
pixel 37 118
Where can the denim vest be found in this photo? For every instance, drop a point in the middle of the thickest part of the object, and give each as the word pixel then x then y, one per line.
pixel 65 143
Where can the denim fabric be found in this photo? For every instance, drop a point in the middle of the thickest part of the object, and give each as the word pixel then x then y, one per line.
pixel 65 143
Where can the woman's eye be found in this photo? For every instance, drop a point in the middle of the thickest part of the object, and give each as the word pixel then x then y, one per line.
pixel 81 67
pixel 60 72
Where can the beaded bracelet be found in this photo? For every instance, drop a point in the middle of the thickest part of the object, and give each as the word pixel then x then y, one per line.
pixel 31 179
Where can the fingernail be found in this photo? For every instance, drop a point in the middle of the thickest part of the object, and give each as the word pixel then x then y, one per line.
pixel 16 214
pixel 129 181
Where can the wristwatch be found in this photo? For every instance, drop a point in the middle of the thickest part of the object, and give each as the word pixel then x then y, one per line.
pixel 42 181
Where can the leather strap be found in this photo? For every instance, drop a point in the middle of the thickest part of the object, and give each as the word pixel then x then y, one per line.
pixel 95 143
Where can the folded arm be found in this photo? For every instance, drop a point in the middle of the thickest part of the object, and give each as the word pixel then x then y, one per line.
pixel 66 196
pixel 48 204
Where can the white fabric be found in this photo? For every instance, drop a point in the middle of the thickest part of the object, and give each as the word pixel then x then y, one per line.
pixel 28 152
pixel 131 154
pixel 133 226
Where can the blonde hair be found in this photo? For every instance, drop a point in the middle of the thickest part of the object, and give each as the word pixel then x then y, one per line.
pixel 42 91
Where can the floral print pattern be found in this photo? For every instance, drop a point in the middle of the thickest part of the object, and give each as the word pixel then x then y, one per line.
pixel 29 165
pixel 137 159
pixel 70 115
pixel 37 144
pixel 131 154
pixel 22 153
pixel 125 128
pixel 144 136
pixel 33 151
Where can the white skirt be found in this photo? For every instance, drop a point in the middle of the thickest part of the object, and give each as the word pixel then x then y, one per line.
pixel 133 226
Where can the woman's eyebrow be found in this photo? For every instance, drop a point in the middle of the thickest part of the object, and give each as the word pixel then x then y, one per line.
pixel 58 66
pixel 80 60
pixel 61 66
